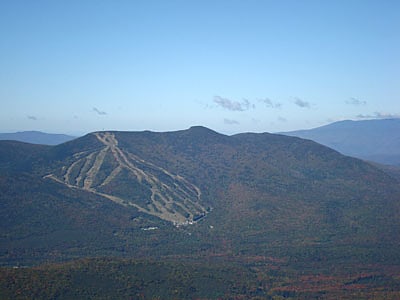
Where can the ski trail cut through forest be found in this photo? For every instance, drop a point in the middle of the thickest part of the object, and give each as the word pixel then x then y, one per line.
pixel 172 197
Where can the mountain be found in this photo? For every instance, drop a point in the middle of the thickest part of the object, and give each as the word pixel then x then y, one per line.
pixel 275 205
pixel 373 140
pixel 37 137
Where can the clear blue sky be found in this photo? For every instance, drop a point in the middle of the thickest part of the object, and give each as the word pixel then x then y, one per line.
pixel 233 66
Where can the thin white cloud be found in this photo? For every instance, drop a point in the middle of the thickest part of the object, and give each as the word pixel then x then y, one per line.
pixel 231 122
pixel 301 103
pixel 356 102
pixel 233 105
pixel 379 115
pixel 282 119
pixel 99 112
pixel 269 103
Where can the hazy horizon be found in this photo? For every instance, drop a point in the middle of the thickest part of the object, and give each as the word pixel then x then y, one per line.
pixel 79 134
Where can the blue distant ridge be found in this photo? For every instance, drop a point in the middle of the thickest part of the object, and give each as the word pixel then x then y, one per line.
pixel 37 137
pixel 374 140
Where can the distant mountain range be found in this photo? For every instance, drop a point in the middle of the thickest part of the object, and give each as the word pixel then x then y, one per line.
pixel 374 140
pixel 37 137
pixel 260 202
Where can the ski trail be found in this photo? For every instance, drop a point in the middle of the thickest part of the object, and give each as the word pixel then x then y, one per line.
pixel 173 198
pixel 112 175
pixel 92 172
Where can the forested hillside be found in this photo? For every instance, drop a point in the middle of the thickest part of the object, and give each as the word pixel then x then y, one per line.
pixel 270 207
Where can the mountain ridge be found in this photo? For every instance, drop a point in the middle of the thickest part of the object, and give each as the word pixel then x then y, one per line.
pixel 375 140
pixel 247 194
pixel 37 137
